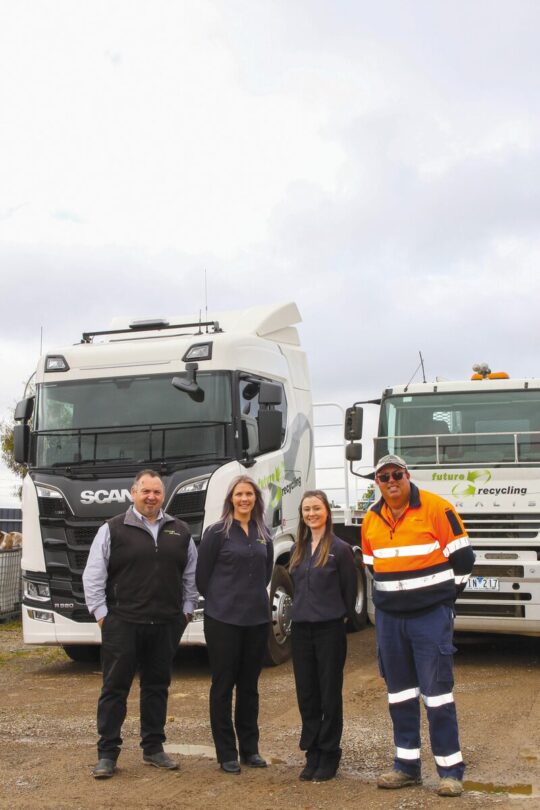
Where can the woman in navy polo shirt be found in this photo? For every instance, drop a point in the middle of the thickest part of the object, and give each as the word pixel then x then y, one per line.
pixel 325 586
pixel 234 568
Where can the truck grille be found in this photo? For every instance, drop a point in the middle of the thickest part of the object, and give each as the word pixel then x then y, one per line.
pixel 53 508
pixel 81 535
pixel 187 503
pixel 501 526
pixel 513 611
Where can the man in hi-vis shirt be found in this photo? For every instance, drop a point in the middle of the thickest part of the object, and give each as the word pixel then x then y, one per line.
pixel 418 552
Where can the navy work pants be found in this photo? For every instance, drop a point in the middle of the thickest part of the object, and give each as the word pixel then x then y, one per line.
pixel 236 654
pixel 416 659
pixel 125 647
pixel 319 650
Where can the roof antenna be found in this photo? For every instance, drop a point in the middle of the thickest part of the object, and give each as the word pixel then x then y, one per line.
pixel 420 365
pixel 205 301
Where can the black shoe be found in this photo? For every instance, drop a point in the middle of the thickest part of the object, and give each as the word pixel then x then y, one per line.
pixel 161 760
pixel 328 766
pixel 254 761
pixel 233 766
pixel 104 769
pixel 312 763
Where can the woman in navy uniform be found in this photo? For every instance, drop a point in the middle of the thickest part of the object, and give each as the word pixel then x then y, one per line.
pixel 233 571
pixel 325 586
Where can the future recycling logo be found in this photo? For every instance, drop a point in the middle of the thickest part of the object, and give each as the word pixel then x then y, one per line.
pixel 469 486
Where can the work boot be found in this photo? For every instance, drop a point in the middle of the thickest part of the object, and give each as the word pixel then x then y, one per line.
pixel 448 786
pixel 160 760
pixel 104 769
pixel 392 780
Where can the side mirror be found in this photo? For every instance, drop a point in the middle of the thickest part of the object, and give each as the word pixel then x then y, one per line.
pixel 189 384
pixel 353 452
pixel 354 418
pixel 269 394
pixel 24 410
pixel 21 443
pixel 270 423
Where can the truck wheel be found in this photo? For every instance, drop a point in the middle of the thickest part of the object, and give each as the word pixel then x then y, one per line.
pixel 360 612
pixel 83 653
pixel 279 637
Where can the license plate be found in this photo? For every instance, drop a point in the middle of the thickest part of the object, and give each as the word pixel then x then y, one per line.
pixel 482 584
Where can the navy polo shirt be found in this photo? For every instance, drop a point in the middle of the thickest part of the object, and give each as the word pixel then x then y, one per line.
pixel 323 593
pixel 233 572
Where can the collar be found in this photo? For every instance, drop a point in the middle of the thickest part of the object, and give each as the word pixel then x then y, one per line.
pixel 414 501
pixel 134 513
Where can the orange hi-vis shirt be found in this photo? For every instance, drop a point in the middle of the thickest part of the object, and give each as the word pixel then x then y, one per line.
pixel 420 560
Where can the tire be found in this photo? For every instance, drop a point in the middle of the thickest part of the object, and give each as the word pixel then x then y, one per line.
pixel 279 637
pixel 83 653
pixel 360 615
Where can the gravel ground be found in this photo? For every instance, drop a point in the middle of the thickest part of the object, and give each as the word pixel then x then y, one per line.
pixel 47 733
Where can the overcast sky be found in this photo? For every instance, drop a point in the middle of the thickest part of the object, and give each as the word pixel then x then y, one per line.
pixel 376 162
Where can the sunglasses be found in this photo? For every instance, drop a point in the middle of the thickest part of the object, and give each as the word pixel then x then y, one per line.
pixel 384 478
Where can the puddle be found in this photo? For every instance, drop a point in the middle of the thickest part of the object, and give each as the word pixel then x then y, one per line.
pixel 207 751
pixel 191 750
pixel 531 791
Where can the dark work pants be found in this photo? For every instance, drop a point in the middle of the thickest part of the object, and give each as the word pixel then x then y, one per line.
pixel 236 656
pixel 416 660
pixel 319 650
pixel 125 647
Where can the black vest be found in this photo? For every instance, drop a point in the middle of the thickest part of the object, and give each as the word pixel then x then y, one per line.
pixel 144 582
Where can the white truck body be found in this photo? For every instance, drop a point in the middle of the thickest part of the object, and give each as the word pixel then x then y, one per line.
pixel 105 409
pixel 477 443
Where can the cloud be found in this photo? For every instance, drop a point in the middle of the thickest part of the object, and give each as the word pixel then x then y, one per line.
pixel 375 163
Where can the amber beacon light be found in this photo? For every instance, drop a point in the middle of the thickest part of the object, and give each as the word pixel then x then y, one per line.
pixel 482 371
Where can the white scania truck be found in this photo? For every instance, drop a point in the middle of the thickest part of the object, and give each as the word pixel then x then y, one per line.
pixel 476 443
pixel 198 402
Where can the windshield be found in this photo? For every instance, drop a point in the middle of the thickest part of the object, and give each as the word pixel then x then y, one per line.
pixel 489 427
pixel 132 420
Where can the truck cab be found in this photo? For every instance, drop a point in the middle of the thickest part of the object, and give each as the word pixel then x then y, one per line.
pixel 476 443
pixel 200 402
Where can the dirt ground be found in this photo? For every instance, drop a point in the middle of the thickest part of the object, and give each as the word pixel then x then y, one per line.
pixel 47 734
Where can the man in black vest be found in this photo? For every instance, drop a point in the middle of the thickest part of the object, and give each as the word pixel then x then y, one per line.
pixel 139 583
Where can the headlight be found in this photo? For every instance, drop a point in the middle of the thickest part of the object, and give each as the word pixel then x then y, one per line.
pixel 52 503
pixel 41 615
pixel 39 591
pixel 45 492
pixel 196 485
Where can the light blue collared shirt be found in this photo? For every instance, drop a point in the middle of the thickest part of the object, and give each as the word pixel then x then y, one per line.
pixel 96 572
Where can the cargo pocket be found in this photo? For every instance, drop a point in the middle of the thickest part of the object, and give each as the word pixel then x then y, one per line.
pixel 445 663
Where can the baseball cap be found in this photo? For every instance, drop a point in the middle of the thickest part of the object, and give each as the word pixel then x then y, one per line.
pixel 391 459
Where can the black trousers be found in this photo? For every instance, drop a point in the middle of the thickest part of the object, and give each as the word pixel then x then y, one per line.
pixel 236 656
pixel 319 650
pixel 125 647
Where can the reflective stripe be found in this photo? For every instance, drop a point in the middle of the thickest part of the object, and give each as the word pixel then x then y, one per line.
pixel 437 700
pixel 411 584
pixel 455 545
pixel 461 578
pixel 367 559
pixel 407 551
pixel 406 694
pixel 408 753
pixel 452 759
